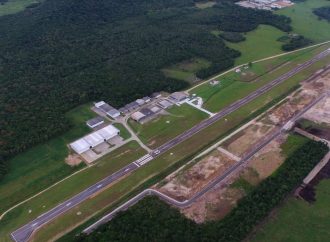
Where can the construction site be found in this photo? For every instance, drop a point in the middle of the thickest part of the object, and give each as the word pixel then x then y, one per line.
pixel 190 179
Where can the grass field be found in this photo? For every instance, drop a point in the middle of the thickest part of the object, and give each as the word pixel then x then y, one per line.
pixel 305 22
pixel 186 70
pixel 105 166
pixel 159 165
pixel 165 127
pixel 261 42
pixel 44 164
pixel 298 221
pixel 216 98
pixel 15 6
pixel 123 131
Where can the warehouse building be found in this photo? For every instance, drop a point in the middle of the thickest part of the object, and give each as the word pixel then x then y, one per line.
pixel 165 104
pixel 94 122
pixel 178 97
pixel 94 139
pixel 107 109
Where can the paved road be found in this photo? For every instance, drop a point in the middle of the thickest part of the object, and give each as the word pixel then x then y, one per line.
pixel 208 187
pixel 23 233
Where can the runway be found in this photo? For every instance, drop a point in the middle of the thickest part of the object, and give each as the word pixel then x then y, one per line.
pixel 23 233
pixel 208 187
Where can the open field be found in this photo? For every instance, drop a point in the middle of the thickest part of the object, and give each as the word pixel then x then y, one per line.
pixel 259 43
pixel 14 6
pixel 298 221
pixel 105 166
pixel 231 91
pixel 165 163
pixel 165 127
pixel 186 70
pixel 304 21
pixel 44 164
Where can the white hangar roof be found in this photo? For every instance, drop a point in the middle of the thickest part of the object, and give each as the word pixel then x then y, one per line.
pixel 94 139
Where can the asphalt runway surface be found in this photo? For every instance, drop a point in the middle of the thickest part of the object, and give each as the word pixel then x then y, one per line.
pixel 24 233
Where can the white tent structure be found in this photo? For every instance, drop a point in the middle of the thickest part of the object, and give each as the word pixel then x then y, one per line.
pixel 93 139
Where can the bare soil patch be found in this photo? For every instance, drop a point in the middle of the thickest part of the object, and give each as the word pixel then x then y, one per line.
pixel 187 182
pixel 73 160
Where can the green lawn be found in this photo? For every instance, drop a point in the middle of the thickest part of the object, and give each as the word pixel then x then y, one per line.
pixel 123 131
pixel 43 165
pixel 298 221
pixel 260 43
pixel 165 127
pixel 231 90
pixel 14 6
pixel 305 22
pixel 105 166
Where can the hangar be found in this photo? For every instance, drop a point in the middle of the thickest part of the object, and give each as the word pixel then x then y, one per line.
pixel 93 139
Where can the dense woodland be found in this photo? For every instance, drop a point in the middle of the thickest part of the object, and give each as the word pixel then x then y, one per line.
pixel 153 220
pixel 323 13
pixel 295 42
pixel 62 53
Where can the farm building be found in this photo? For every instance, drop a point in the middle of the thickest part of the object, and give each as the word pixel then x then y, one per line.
pixel 93 139
pixel 178 96
pixel 94 122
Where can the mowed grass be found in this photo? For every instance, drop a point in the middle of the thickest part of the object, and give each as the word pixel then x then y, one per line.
pixel 43 165
pixel 298 221
pixel 166 127
pixel 260 43
pixel 15 6
pixel 104 167
pixel 305 22
pixel 231 90
pixel 181 152
pixel 123 131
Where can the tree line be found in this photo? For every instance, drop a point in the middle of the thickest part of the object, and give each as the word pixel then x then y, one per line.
pixel 323 12
pixel 62 53
pixel 153 220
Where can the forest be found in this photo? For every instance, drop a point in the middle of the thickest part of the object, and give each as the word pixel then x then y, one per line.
pixel 153 220
pixel 62 53
pixel 323 13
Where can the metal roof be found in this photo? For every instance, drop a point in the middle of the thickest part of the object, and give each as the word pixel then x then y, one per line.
pixel 94 139
pixel 94 121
